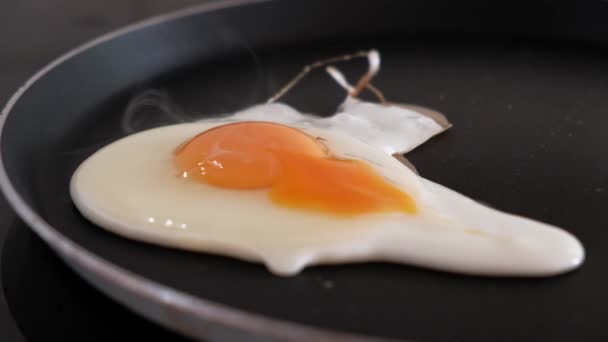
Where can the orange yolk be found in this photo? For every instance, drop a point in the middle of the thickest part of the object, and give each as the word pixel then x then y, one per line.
pixel 296 167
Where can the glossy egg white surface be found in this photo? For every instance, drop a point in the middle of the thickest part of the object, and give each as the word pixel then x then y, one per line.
pixel 132 188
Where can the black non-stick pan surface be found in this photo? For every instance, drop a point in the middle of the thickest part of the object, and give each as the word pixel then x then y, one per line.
pixel 525 85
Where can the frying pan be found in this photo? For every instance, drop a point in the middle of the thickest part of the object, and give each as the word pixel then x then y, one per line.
pixel 524 84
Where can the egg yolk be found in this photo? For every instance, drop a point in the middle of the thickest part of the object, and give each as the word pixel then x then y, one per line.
pixel 296 167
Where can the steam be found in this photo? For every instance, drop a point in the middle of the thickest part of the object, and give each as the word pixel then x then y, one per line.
pixel 154 107
pixel 151 108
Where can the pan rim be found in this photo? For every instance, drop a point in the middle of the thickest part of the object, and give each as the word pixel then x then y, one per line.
pixel 162 295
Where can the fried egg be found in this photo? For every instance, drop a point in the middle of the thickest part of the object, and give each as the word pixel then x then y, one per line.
pixel 291 196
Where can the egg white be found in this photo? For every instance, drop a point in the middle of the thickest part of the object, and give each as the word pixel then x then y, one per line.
pixel 132 188
pixel 391 128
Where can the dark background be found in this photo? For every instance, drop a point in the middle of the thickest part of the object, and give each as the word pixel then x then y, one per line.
pixel 33 33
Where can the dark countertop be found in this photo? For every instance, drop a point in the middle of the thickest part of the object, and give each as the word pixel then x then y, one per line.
pixel 33 33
